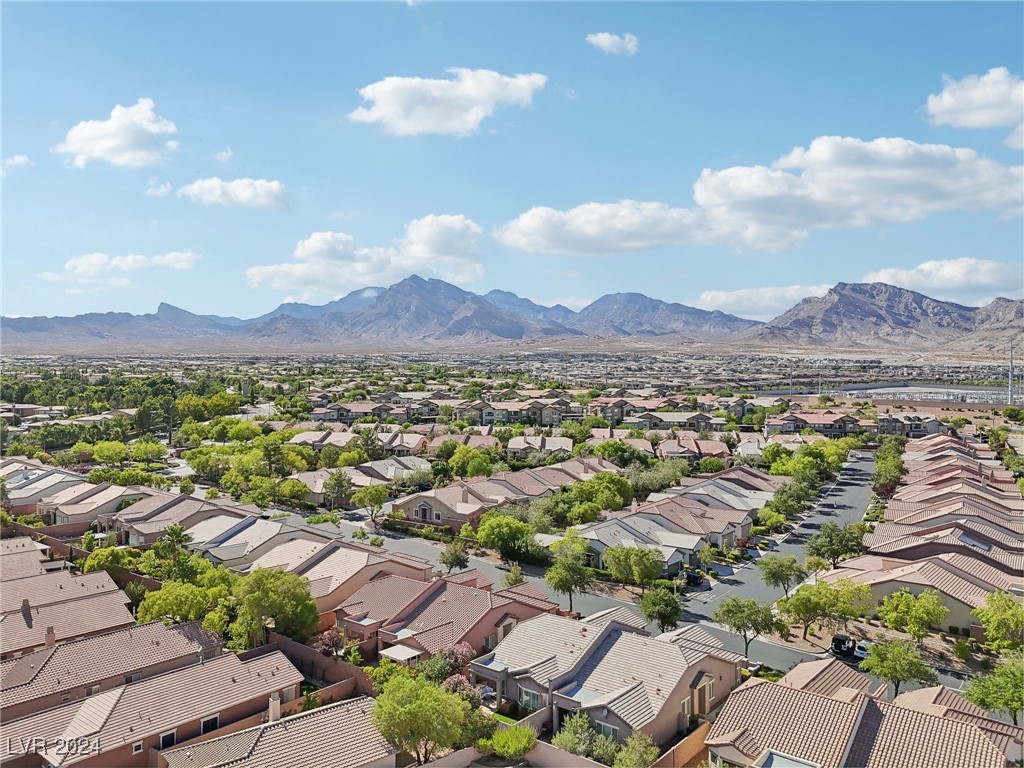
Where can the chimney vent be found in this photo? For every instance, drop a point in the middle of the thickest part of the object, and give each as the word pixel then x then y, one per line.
pixel 275 707
pixel 51 637
pixel 26 606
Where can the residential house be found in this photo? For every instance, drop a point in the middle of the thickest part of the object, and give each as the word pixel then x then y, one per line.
pixel 69 671
pixel 21 557
pixel 339 735
pixel 831 424
pixel 978 540
pixel 452 506
pixel 145 521
pixel 608 668
pixel 122 725
pixel 85 502
pixel 912 424
pixel 962 581
pixel 715 524
pixel 412 620
pixel 28 485
pixel 39 611
pixel 674 548
pixel 520 446
pixel 476 442
pixel 843 724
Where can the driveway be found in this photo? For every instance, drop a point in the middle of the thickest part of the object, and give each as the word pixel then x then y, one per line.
pixel 844 502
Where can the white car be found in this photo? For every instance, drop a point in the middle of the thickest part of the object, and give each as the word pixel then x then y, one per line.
pixel 861 651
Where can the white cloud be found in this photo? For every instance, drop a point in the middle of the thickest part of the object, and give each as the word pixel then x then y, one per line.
pixel 414 106
pixel 224 156
pixel 618 45
pixel 627 225
pixel 100 270
pixel 255 193
pixel 964 277
pixel 156 189
pixel 759 303
pixel 835 182
pixel 330 263
pixel 15 161
pixel 132 136
pixel 982 101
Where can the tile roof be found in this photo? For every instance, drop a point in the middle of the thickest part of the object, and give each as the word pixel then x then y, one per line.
pixel 826 677
pixel 382 599
pixel 19 565
pixel 54 587
pixel 82 662
pixel 343 734
pixel 546 646
pixel 88 615
pixel 151 706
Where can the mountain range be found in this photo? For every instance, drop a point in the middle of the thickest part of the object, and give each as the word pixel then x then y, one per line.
pixel 415 313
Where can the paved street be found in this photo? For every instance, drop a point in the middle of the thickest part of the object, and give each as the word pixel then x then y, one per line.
pixel 844 503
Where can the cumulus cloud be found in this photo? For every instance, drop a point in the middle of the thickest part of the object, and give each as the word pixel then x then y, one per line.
pixel 254 193
pixel 100 270
pixel 759 303
pixel 156 189
pixel 414 106
pixel 132 136
pixel 224 156
pixel 627 225
pixel 992 100
pixel 957 278
pixel 331 263
pixel 835 182
pixel 15 161
pixel 617 45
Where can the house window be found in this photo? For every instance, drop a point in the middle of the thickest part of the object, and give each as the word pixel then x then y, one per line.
pixel 684 707
pixel 134 677
pixel 136 747
pixel 607 730
pixel 529 699
pixel 489 642
pixel 168 740
pixel 437 515
pixel 209 724
pixel 711 690
pixel 92 690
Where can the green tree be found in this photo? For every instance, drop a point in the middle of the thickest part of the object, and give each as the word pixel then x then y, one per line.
pixel 136 592
pixel 176 602
pixel 633 565
pixel 915 614
pixel 1003 620
pixel 372 498
pixel 568 573
pixel 115 561
pixel 898 662
pixel 291 491
pixel 639 751
pixel 833 543
pixel 419 717
pixel 1001 690
pixel 710 465
pixel 271 595
pixel 337 487
pixel 781 571
pixel 811 603
pixel 510 537
pixel 187 486
pixel 109 452
pixel 575 735
pixel 454 555
pixel 514 576
pixel 147 451
pixel 662 607
pixel 747 618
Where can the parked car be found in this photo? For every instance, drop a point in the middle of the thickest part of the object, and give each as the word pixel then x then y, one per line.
pixel 842 646
pixel 861 651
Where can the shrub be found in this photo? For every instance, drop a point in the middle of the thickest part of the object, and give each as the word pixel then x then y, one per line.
pixel 759 530
pixel 604 750
pixel 962 650
pixel 601 575
pixel 511 743
pixel 663 583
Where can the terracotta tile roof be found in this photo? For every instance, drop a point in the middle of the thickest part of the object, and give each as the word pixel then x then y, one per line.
pixel 470 578
pixel 152 706
pixel 82 662
pixel 890 736
pixel 760 715
pixel 17 545
pixel 55 587
pixel 382 599
pixel 343 734
pixel 19 565
pixel 826 677
pixel 88 615
pixel 547 645
pixel 937 695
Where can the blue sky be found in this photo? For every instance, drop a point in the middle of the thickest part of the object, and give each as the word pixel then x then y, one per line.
pixel 227 157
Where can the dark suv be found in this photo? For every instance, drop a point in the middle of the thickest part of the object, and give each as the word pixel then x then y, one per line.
pixel 842 646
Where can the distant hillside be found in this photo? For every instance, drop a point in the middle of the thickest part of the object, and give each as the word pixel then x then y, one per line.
pixel 633 314
pixel 433 313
